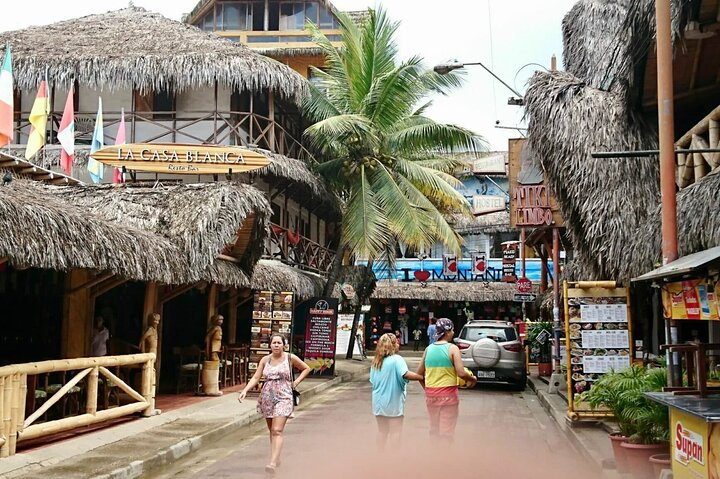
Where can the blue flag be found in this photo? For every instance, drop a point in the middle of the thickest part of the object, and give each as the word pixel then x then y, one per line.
pixel 94 167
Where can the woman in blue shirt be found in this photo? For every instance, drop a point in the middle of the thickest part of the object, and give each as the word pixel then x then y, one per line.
pixel 389 375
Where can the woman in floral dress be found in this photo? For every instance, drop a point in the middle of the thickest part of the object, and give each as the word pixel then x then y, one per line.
pixel 276 398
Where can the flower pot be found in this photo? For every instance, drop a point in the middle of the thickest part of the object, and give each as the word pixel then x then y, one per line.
pixel 638 458
pixel 545 369
pixel 660 462
pixel 620 458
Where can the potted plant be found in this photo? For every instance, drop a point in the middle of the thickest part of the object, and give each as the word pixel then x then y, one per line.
pixel 540 346
pixel 643 426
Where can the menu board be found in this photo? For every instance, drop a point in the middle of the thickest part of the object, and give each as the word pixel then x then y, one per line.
pixel 272 314
pixel 598 338
pixel 319 352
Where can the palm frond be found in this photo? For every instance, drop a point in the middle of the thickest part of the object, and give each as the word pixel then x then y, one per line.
pixel 364 227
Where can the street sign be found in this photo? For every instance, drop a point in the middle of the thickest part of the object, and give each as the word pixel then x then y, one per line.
pixel 524 297
pixel 523 285
pixel 542 336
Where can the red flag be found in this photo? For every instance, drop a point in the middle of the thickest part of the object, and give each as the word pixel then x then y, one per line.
pixel 66 134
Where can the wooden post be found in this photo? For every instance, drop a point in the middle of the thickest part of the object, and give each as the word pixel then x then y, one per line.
pixel 14 412
pixel 151 302
pixel 3 434
pixel 148 387
pixel 77 317
pixel 232 316
pixel 6 411
pixel 23 400
pixel 271 131
pixel 92 392
pixel 543 271
pixel 212 303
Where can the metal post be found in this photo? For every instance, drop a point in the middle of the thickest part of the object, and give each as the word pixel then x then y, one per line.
pixel 557 326
pixel 522 252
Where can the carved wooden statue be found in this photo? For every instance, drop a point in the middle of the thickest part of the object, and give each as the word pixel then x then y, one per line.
pixel 213 339
pixel 149 341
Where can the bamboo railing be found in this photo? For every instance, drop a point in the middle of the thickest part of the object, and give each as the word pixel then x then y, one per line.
pixel 15 426
pixel 705 135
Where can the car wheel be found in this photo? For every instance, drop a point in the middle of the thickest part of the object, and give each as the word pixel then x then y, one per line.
pixel 521 384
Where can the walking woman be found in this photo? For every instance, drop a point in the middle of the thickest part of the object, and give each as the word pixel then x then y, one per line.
pixel 441 366
pixel 276 397
pixel 389 375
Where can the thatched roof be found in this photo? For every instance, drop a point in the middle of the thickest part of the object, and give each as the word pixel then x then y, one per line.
pixel 445 291
pixel 484 224
pixel 200 220
pixel 136 48
pixel 591 107
pixel 21 168
pixel 268 274
pixel 42 230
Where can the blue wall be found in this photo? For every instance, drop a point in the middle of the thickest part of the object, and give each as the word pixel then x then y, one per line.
pixel 532 267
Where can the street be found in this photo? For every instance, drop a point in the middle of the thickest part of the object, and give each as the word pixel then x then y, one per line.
pixel 500 434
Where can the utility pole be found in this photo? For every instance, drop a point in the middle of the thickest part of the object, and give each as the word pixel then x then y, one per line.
pixel 666 132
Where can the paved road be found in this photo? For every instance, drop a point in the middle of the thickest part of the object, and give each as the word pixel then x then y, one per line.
pixel 501 434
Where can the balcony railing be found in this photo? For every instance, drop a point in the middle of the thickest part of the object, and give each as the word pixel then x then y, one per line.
pixel 279 38
pixel 297 250
pixel 218 127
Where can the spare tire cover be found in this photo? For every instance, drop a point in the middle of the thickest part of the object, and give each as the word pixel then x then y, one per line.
pixel 485 353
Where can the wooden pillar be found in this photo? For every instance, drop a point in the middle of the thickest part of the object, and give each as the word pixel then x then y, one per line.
pixel 77 315
pixel 212 303
pixel 271 131
pixel 232 316
pixel 543 273
pixel 151 302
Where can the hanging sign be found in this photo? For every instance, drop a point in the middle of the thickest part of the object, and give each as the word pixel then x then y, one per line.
pixel 692 299
pixel 479 266
pixel 320 336
pixel 508 262
pixel 181 158
pixel 450 265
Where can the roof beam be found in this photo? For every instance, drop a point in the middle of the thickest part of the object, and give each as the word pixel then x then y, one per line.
pixel 696 64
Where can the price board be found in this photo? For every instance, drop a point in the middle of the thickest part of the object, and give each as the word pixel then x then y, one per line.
pixel 272 314
pixel 598 339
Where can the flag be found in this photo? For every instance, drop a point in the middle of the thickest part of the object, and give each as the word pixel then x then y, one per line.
pixel 118 176
pixel 38 120
pixel 66 134
pixel 95 168
pixel 7 108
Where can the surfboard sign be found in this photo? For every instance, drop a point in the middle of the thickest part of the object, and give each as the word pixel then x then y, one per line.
pixel 177 158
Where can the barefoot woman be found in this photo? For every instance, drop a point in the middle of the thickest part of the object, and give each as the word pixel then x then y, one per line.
pixel 276 399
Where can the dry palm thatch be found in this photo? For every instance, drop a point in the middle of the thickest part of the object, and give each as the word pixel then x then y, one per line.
pixel 199 220
pixel 41 230
pixel 135 48
pixel 445 291
pixel 590 108
pixel 489 223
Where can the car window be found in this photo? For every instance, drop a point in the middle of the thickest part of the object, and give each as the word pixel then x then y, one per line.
pixel 500 334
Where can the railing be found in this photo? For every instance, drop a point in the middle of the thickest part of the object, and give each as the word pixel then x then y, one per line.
pixel 219 127
pixel 14 380
pixel 279 38
pixel 703 136
pixel 297 250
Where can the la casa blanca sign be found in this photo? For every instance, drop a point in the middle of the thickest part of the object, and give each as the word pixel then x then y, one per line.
pixel 181 158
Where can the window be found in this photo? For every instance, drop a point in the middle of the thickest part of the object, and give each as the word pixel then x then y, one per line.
pixel 497 334
pixel 236 16
pixel 294 15
pixel 208 22
pixel 327 20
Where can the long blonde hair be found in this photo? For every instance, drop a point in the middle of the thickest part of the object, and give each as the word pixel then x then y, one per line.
pixel 385 347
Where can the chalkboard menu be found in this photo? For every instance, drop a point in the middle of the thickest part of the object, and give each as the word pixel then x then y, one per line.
pixel 320 329
pixel 272 314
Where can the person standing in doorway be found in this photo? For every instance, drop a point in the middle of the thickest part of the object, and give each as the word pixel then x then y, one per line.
pixel 417 336
pixel 403 320
pixel 276 397
pixel 431 331
pixel 389 376
pixel 441 365
pixel 101 336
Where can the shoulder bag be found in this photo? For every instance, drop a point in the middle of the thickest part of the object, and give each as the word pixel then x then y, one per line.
pixel 295 392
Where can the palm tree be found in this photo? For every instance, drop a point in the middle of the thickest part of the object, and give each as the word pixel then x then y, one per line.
pixel 387 162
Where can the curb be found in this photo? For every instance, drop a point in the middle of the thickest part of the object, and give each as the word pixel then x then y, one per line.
pixel 186 446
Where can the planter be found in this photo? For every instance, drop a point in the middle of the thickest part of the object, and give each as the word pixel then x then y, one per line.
pixel 545 369
pixel 638 458
pixel 620 457
pixel 660 462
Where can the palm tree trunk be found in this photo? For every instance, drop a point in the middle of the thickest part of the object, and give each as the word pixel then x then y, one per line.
pixel 334 272
pixel 363 291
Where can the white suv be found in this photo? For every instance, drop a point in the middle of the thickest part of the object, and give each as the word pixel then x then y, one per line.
pixel 492 350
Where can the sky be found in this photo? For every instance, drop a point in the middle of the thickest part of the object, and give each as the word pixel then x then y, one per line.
pixel 504 35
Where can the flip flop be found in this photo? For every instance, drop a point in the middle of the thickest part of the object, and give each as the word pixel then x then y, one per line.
pixel 270 469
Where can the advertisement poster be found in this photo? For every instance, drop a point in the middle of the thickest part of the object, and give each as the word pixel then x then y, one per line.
pixel 320 327
pixel 691 299
pixel 695 446
pixel 272 314
pixel 344 328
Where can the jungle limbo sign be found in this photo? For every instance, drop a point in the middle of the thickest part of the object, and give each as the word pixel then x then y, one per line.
pixel 181 158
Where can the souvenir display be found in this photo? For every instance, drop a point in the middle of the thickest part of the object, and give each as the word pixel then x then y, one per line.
pixel 272 314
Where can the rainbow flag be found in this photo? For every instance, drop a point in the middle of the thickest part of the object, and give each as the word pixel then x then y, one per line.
pixel 38 120
pixel 6 100
pixel 95 168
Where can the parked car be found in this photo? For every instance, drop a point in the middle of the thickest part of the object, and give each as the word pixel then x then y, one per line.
pixel 493 351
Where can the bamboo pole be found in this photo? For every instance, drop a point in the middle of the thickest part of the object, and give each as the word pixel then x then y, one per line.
pixel 700 128
pixel 7 404
pixel 75 363
pixel 122 384
pixel 47 428
pixel 699 170
pixel 148 389
pixel 713 159
pixel 23 401
pixel 56 397
pixel 92 392
pixel 14 413
pixel 594 284
pixel 686 171
pixel 3 434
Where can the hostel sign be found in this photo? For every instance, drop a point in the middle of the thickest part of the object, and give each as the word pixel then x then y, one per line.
pixel 181 158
